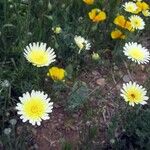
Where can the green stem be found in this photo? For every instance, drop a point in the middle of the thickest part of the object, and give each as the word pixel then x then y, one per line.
pixel 5 11
pixel 28 21
pixel 38 77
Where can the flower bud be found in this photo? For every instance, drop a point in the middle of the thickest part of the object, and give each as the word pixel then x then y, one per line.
pixel 57 29
pixel 95 56
pixel 13 122
pixel 49 6
pixel 5 83
pixel 7 131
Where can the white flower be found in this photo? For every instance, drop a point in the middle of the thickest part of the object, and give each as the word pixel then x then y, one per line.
pixel 137 22
pixel 136 53
pixel 38 55
pixel 130 7
pixel 134 93
pixel 82 43
pixel 34 107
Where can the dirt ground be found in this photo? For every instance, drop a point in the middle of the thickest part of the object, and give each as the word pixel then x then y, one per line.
pixel 64 127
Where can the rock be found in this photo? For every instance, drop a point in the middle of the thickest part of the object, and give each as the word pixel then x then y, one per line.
pixel 95 73
pixel 101 81
pixel 116 68
pixel 75 115
pixel 126 78
pixel 36 146
pixel 118 87
pixel 112 141
pixel 88 123
pixel 56 106
pixel 142 67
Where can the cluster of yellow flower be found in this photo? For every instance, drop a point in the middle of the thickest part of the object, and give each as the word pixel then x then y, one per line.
pixel 137 7
pixel 131 92
pixel 36 106
pixel 134 22
pixel 123 23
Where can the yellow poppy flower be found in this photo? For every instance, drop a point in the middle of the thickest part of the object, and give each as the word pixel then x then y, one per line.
pixel 142 6
pixel 57 74
pixel 96 15
pixel 117 34
pixel 89 2
pixel 122 22
pixel 146 13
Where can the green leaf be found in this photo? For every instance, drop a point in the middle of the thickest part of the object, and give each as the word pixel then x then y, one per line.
pixel 69 70
pixel 78 96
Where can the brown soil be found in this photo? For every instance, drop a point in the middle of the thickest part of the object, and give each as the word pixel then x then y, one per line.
pixel 64 127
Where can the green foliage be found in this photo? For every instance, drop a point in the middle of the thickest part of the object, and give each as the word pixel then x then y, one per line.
pixel 9 138
pixel 78 96
pixel 69 71
pixel 11 141
pixel 87 137
pixel 67 146
pixel 135 127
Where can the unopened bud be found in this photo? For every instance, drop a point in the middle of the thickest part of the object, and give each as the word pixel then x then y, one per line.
pixel 95 56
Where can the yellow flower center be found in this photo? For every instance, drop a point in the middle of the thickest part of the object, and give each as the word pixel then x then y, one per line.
pixel 38 57
pixel 136 54
pixel 34 108
pixel 130 8
pixel 137 23
pixel 134 95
